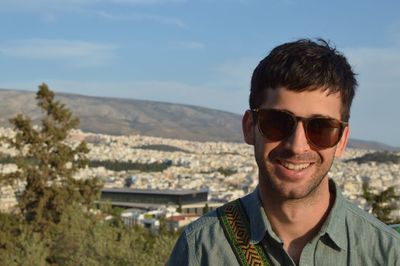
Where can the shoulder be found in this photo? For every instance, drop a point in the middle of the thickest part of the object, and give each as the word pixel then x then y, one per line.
pixel 371 239
pixel 206 221
pixel 186 250
pixel 203 242
pixel 203 226
pixel 366 223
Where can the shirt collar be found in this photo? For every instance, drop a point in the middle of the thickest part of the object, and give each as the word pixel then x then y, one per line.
pixel 259 223
pixel 335 224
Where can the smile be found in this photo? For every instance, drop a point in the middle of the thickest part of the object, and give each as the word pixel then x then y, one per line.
pixel 295 167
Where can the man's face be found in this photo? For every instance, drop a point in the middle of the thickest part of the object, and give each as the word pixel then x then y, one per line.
pixel 292 168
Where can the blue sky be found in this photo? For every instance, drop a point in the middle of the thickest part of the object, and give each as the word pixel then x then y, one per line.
pixel 199 52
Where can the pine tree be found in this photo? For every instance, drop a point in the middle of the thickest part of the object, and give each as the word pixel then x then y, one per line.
pixel 382 204
pixel 47 163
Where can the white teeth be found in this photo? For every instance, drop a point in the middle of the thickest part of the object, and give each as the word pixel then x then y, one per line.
pixel 292 166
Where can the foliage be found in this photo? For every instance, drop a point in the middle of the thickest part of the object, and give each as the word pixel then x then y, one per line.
pixel 382 204
pixel 110 165
pixel 179 208
pixel 7 159
pixel 222 171
pixel 226 171
pixel 46 163
pixel 379 157
pixel 55 225
pixel 206 208
pixel 129 166
pixel 82 238
pixel 161 147
pixel 19 244
pixel 397 228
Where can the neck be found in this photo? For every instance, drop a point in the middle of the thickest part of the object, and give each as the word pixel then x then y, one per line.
pixel 297 221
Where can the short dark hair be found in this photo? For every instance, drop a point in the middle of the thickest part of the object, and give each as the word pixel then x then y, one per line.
pixel 304 65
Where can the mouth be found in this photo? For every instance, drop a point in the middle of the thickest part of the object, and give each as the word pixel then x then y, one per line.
pixel 295 166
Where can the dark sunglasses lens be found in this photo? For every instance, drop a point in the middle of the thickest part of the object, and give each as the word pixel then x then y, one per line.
pixel 275 125
pixel 323 132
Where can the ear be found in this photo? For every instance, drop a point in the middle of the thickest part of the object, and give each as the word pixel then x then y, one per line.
pixel 343 142
pixel 248 127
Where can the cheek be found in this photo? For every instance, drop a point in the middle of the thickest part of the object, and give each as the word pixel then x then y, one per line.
pixel 327 157
pixel 263 150
pixel 259 153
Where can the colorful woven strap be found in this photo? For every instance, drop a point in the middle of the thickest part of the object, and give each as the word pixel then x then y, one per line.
pixel 236 226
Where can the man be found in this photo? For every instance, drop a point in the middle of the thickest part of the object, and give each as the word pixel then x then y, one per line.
pixel 300 101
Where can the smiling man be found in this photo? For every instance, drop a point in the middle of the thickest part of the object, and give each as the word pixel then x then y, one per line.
pixel 300 100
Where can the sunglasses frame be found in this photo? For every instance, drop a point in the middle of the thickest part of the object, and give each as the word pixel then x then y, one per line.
pixel 305 121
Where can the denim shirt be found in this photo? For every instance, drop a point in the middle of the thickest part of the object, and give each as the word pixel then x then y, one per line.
pixel 349 236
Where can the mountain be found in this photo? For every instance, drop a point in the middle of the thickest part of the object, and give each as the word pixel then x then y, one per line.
pixel 125 116
pixel 370 145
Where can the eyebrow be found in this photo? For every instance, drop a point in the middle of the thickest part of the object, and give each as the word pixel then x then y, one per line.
pixel 311 116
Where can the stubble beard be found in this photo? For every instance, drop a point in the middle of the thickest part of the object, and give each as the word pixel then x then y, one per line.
pixel 279 190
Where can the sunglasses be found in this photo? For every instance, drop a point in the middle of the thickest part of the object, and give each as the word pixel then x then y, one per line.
pixel 321 132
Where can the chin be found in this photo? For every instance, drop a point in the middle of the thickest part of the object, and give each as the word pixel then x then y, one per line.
pixel 289 190
pixel 296 194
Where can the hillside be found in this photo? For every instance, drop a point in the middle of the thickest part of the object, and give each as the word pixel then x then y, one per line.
pixel 123 117
pixel 127 116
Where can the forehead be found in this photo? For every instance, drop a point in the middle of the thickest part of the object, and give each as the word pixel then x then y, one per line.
pixel 305 103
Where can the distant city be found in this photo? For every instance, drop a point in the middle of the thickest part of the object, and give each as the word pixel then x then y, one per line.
pixel 225 170
pixel 125 117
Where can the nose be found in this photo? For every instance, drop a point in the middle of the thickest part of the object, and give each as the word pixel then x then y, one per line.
pixel 297 142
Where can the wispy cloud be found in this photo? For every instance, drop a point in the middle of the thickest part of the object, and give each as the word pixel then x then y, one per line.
pixel 162 19
pixel 79 53
pixel 49 10
pixel 88 2
pixel 37 5
pixel 142 17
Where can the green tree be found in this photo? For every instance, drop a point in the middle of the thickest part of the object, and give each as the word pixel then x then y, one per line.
pixel 47 163
pixel 383 203
pixel 80 239
pixel 179 208
pixel 206 208
pixel 19 245
pixel 57 230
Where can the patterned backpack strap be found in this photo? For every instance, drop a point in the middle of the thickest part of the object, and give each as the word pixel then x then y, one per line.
pixel 236 226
